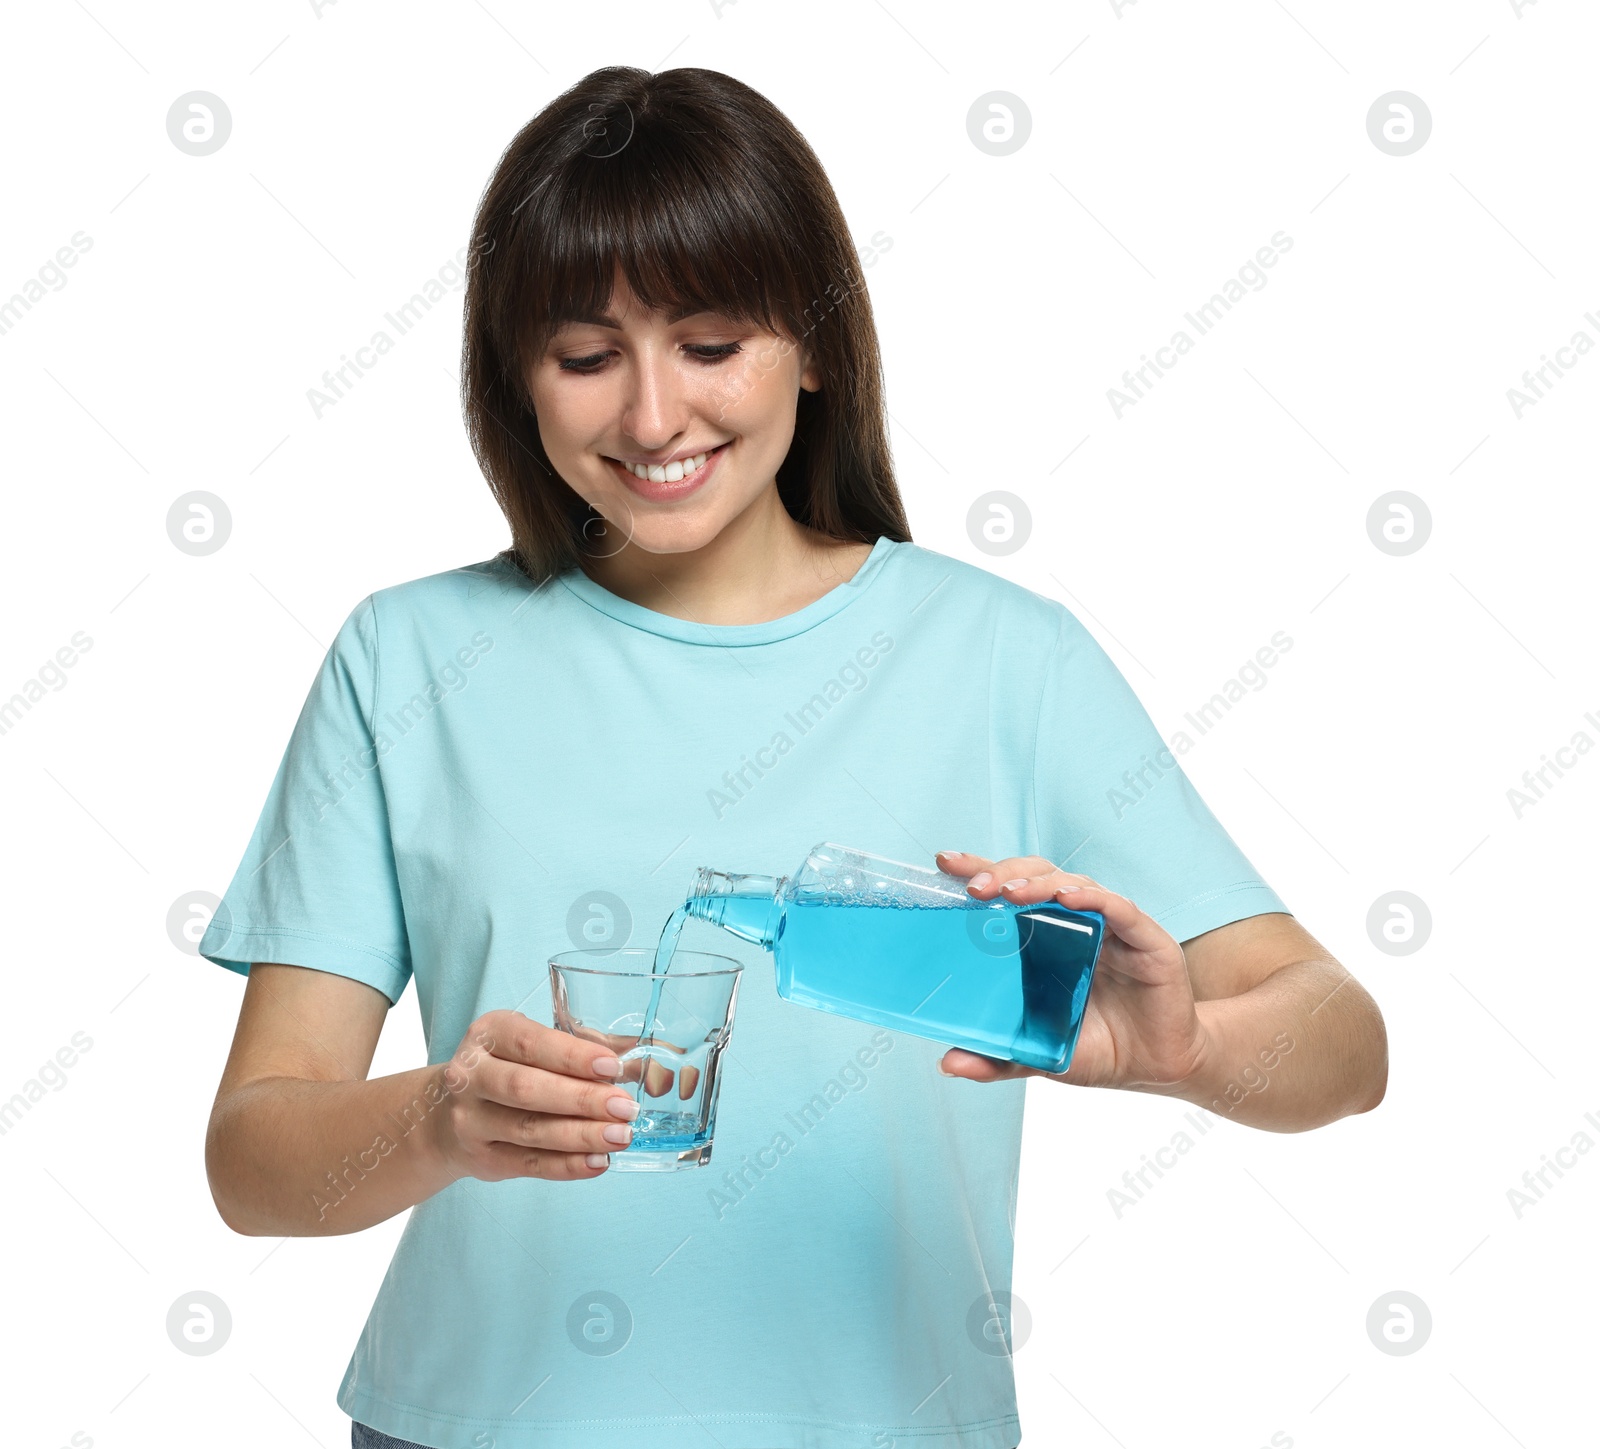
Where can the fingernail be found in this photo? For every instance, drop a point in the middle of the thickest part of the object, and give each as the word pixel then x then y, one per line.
pixel 606 1067
pixel 944 1073
pixel 1065 889
pixel 597 1159
pixel 619 1132
pixel 1013 884
pixel 623 1107
pixel 979 881
pixel 941 854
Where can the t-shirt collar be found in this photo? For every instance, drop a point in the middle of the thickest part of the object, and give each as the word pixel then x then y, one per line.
pixel 725 635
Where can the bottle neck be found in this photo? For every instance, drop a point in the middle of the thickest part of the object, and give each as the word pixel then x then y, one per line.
pixel 748 906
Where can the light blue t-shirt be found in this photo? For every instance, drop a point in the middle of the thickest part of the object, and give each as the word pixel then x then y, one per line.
pixel 484 770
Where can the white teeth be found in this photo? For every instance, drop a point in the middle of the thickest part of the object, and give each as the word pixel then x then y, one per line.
pixel 672 472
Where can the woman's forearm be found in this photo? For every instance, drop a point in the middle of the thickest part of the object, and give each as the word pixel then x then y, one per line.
pixel 1299 1050
pixel 287 1156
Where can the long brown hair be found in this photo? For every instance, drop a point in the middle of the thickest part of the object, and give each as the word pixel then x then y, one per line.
pixel 703 193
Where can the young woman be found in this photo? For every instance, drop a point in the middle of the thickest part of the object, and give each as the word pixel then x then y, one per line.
pixel 711 642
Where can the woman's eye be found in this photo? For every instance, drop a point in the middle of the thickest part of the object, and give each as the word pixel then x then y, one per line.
pixel 707 352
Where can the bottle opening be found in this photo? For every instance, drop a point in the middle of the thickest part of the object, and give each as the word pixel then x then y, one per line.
pixel 709 883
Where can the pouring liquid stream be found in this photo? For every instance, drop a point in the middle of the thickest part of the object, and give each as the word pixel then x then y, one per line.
pixel 656 1122
pixel 665 946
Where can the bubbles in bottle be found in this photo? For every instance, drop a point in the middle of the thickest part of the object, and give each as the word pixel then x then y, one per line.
pixel 843 883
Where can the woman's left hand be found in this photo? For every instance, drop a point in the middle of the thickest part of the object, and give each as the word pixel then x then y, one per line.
pixel 1140 1028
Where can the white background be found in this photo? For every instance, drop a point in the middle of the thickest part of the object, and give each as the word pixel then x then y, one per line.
pixel 1168 143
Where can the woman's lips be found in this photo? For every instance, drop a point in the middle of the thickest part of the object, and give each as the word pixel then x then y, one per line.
pixel 667 492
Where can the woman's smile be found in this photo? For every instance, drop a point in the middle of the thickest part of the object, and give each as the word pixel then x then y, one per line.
pixel 663 483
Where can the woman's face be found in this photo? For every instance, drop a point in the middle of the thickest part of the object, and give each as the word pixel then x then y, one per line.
pixel 644 388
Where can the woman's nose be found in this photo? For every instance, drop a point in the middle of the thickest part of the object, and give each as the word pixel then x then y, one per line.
pixel 654 406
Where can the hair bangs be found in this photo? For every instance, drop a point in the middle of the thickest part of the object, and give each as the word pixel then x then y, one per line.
pixel 684 239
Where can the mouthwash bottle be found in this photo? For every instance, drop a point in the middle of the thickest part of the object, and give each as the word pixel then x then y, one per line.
pixel 905 947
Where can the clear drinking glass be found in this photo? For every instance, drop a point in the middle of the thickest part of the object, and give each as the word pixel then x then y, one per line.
pixel 604 995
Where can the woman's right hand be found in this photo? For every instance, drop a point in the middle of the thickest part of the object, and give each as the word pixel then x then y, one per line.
pixel 524 1100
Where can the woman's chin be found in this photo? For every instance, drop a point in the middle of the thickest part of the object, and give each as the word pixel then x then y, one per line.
pixel 683 532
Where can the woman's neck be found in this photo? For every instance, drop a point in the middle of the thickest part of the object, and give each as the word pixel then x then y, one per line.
pixel 757 568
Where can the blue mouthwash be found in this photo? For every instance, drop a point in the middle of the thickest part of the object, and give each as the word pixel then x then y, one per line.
pixel 666 945
pixel 661 1126
pixel 904 947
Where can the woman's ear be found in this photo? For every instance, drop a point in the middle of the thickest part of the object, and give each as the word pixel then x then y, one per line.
pixel 810 375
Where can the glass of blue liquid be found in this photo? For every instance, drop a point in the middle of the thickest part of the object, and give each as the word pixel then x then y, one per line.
pixel 669 1030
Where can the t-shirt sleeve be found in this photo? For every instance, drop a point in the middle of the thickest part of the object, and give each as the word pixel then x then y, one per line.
pixel 317 886
pixel 1113 802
